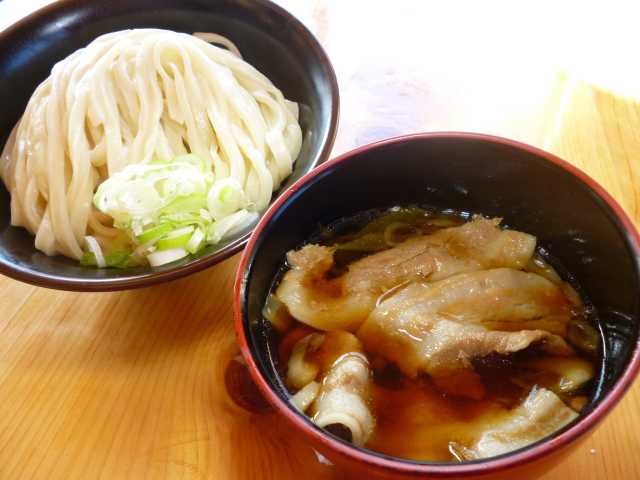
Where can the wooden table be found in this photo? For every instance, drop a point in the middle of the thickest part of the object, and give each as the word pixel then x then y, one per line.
pixel 130 384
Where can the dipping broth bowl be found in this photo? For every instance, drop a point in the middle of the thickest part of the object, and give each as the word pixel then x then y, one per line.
pixel 533 191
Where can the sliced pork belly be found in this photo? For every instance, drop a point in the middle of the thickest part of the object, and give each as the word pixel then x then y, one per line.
pixel 438 328
pixel 344 302
pixel 561 375
pixel 343 399
pixel 305 396
pixel 337 396
pixel 540 415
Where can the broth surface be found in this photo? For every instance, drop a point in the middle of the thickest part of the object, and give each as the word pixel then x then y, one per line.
pixel 414 417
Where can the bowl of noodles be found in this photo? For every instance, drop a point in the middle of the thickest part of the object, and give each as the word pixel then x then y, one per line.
pixel 142 141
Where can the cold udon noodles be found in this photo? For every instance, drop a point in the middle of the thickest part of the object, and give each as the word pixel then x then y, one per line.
pixel 430 336
pixel 146 146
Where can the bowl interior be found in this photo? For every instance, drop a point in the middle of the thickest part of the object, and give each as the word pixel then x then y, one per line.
pixel 268 37
pixel 473 174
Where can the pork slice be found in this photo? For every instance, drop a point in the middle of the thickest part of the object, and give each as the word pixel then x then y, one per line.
pixel 438 328
pixel 345 302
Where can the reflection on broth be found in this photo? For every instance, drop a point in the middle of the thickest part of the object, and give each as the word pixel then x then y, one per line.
pixel 431 336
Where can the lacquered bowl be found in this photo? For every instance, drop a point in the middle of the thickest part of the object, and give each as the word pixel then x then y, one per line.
pixel 534 191
pixel 268 37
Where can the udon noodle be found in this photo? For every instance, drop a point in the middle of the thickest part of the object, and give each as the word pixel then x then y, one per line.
pixel 132 97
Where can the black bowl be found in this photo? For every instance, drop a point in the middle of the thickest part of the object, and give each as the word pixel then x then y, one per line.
pixel 534 191
pixel 269 38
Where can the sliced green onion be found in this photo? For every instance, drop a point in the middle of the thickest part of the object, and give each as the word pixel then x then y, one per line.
pixel 231 224
pixel 193 245
pixel 369 242
pixel 276 313
pixel 114 260
pixel 142 191
pixel 225 197
pixel 582 335
pixel 391 236
pixel 154 233
pixel 94 247
pixel 162 257
pixel 192 203
pixel 169 208
pixel 176 239
pixel 88 259
pixel 205 215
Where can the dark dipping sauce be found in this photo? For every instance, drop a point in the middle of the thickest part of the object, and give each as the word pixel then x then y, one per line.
pixel 426 420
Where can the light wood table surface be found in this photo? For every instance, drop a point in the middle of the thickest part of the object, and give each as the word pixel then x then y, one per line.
pixel 130 384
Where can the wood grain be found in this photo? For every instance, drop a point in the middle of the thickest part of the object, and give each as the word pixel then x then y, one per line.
pixel 130 384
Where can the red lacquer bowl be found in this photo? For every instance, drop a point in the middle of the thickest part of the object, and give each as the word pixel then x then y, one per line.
pixel 534 191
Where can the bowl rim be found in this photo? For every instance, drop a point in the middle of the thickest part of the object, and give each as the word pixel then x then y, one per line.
pixel 151 277
pixel 398 465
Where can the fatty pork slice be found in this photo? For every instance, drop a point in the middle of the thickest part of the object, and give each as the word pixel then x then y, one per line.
pixel 337 394
pixel 540 415
pixel 439 328
pixel 343 303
